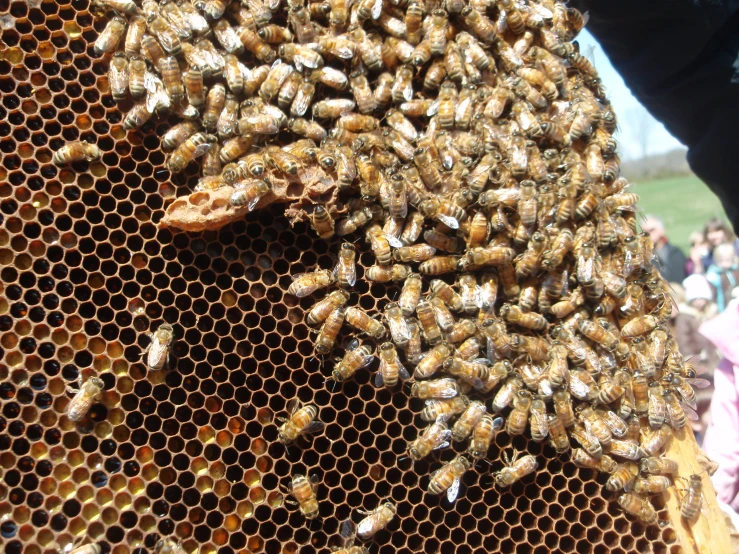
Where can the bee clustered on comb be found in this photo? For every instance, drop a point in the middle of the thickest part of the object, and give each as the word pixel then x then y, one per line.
pixel 498 155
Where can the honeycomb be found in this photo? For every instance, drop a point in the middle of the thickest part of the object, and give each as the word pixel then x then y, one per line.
pixel 192 453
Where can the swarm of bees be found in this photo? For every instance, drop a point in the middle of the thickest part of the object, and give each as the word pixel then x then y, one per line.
pixel 472 146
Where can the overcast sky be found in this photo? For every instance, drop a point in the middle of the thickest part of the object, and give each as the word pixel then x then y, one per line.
pixel 629 111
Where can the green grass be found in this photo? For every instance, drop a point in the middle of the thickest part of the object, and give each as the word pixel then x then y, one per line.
pixel 683 203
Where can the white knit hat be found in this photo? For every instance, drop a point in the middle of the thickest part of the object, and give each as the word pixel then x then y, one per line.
pixel 697 286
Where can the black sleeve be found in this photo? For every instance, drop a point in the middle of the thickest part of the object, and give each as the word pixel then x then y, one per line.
pixel 679 58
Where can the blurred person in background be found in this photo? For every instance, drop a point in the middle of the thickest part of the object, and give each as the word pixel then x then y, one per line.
pixel 695 305
pixel 723 274
pixel 715 233
pixel 671 258
pixel 699 249
pixel 721 442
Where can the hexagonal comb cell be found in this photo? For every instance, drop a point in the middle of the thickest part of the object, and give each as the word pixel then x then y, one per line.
pixel 192 453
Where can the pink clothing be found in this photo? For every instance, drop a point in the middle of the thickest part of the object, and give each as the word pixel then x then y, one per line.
pixel 721 442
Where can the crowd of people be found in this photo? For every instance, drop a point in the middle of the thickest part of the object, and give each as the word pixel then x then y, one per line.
pixel 705 323
pixel 703 285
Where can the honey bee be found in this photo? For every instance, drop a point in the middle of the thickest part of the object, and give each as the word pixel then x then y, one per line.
pixel 322 222
pixel 76 151
pixel 683 386
pixel 582 459
pixel 410 294
pixel 448 478
pixel 640 325
pixel 433 360
pixel 567 305
pixel 677 413
pixel 303 98
pixel 444 409
pixel 472 415
pixel 363 322
pixel 539 420
pixel 329 330
pixel 414 350
pixel 353 360
pixel 598 334
pixel 655 465
pixel 427 169
pixel 446 293
pixel 163 546
pixel 429 327
pixel 376 520
pixel 483 434
pixel 136 73
pixel 83 398
pixel 434 437
pixel 470 293
pixel 611 389
pixel 516 469
pixel 304 491
pixel 249 194
pixel 159 347
pixel 254 44
pixel 587 440
pixel 519 416
pixel 534 347
pixel 653 442
pixel 637 507
pixel 118 76
pixel 379 244
pixel 624 475
pixel 474 372
pixel 322 309
pixel 559 438
pixel 300 421
pixel 307 283
pixel 109 38
pixel 362 92
pixel 692 501
pixel 651 484
pixel 462 331
pixel 435 388
pixel 346 268
pixel 165 34
pixel 397 324
pixel 529 320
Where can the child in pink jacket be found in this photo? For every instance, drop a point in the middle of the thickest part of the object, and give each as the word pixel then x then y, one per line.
pixel 721 442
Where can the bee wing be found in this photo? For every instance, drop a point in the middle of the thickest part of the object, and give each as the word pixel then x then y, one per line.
pixel 253 202
pixel 293 406
pixel 157 355
pixel 399 328
pixel 351 274
pixel 393 241
pixel 498 424
pixel 433 109
pixel 379 380
pixel 376 10
pixel 368 525
pixel 453 491
pixel 449 221
pixel 403 372
pixel 697 383
pixel 366 360
pixel 689 411
pixel 461 108
pixel 347 531
pixel 313 427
